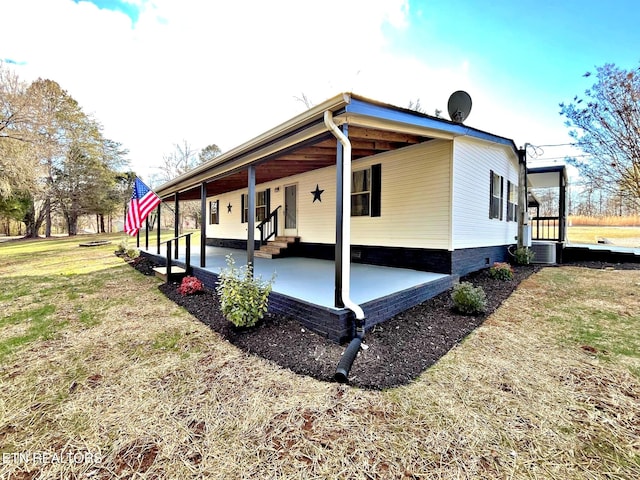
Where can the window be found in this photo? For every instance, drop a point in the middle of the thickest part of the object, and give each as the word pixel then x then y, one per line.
pixel 365 192
pixel 512 202
pixel 214 208
pixel 496 196
pixel 262 206
pixel 360 193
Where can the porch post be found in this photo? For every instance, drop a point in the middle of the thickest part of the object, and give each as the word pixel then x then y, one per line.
pixel 522 196
pixel 158 228
pixel 251 215
pixel 146 233
pixel 562 206
pixel 338 303
pixel 203 224
pixel 176 226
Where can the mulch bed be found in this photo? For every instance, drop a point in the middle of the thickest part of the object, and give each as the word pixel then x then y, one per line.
pixel 398 350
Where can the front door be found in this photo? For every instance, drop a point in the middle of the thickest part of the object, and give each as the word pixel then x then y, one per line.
pixel 291 210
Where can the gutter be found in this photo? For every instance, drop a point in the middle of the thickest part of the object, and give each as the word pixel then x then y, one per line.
pixel 352 350
pixel 267 143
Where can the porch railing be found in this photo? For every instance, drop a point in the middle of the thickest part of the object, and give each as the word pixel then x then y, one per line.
pixel 269 226
pixel 187 255
pixel 545 228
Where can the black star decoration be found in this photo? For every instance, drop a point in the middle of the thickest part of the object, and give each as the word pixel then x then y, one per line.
pixel 317 194
pixel 229 208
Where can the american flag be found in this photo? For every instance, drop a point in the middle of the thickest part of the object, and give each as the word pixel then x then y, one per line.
pixel 143 200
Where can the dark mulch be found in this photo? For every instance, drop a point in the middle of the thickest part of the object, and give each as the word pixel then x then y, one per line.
pixel 398 350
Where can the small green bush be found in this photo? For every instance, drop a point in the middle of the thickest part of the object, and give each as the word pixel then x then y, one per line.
pixel 524 256
pixel 243 298
pixel 133 253
pixel 469 300
pixel 501 271
pixel 123 246
pixel 190 286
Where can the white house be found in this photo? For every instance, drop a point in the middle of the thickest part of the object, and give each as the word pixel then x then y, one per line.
pixel 425 193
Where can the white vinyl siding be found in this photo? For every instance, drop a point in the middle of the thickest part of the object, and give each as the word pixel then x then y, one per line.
pixel 473 161
pixel 415 198
pixel 415 207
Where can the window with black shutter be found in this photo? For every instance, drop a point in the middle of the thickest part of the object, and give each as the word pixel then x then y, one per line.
pixel 262 205
pixel 366 185
pixel 214 216
pixel 512 202
pixel 496 194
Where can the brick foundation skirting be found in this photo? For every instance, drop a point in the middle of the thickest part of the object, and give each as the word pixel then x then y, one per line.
pixel 337 324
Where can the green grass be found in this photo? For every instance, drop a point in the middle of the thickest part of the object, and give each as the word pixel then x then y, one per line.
pixel 94 357
pixel 168 340
pixel 41 325
pixel 595 311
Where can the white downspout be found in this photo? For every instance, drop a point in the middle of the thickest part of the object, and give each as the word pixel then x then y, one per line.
pixel 346 216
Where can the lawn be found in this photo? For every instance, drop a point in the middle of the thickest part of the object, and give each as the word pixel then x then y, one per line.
pixel 621 236
pixel 102 377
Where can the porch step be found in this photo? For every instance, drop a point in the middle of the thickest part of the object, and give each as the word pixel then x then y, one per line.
pixel 289 239
pixel 161 272
pixel 275 248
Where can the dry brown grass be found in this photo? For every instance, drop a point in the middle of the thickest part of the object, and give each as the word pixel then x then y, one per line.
pixel 605 221
pixel 158 395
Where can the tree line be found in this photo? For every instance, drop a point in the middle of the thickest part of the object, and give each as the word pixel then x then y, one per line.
pixel 55 159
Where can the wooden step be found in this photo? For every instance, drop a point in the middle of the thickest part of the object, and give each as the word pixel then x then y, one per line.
pixel 269 248
pixel 287 239
pixel 161 272
pixel 262 254
pixel 279 244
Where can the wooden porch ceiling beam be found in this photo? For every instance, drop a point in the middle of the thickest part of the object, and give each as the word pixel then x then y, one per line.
pixel 317 150
pixel 372 134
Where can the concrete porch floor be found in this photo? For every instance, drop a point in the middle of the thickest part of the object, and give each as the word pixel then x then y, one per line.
pixel 312 280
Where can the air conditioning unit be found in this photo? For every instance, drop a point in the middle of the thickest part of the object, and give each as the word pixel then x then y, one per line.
pixel 545 252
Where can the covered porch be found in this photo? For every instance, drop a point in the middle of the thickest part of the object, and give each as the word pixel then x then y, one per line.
pixel 304 287
pixel 547 211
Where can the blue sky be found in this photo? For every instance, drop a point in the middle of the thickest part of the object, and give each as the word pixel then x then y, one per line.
pixel 157 72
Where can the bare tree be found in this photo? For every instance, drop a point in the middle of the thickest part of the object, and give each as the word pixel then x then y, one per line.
pixel 17 112
pixel 416 106
pixel 306 101
pixel 182 159
pixel 209 152
pixel 606 125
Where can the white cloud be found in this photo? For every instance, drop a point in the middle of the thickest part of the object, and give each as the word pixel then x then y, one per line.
pixel 223 72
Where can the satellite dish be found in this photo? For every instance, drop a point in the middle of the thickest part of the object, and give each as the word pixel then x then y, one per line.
pixel 459 106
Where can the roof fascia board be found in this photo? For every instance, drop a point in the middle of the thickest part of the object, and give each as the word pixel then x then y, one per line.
pixel 363 107
pixel 358 120
pixel 203 171
pixel 215 172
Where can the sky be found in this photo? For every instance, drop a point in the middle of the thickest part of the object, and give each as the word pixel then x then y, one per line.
pixel 156 73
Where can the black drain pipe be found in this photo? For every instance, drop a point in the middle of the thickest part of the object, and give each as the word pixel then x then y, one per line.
pixel 350 354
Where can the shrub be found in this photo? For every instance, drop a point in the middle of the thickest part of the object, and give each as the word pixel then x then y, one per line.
pixel 189 286
pixel 524 256
pixel 243 298
pixel 123 246
pixel 469 300
pixel 133 253
pixel 501 271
